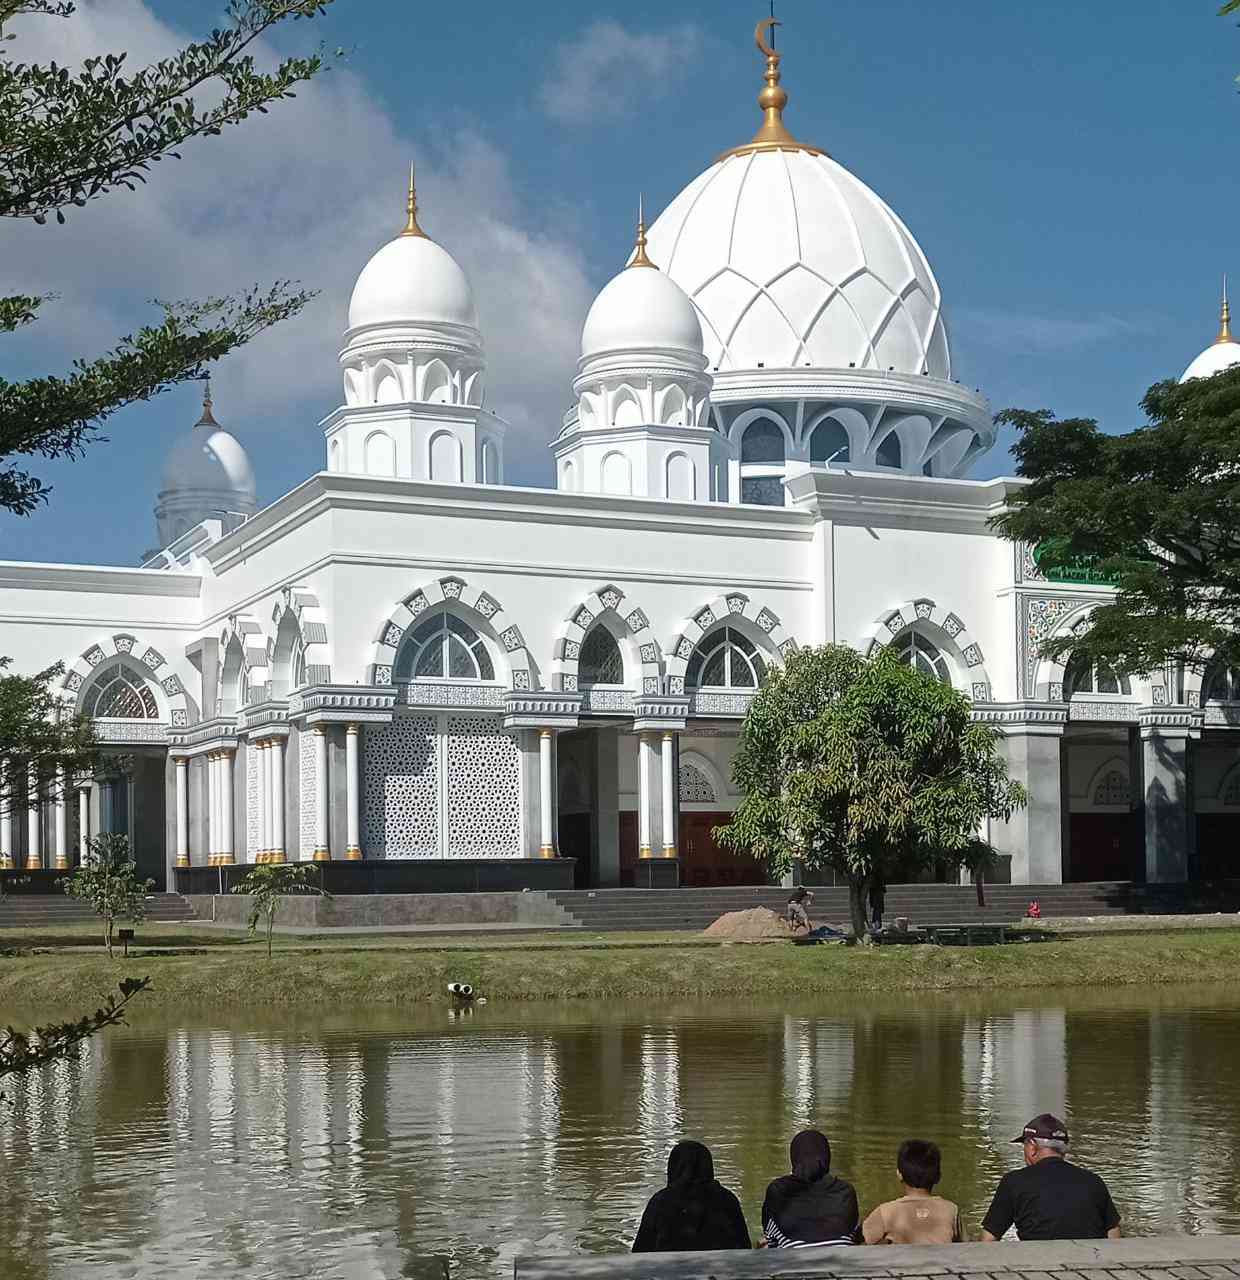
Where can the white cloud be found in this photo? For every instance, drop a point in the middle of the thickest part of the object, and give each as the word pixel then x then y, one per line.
pixel 607 72
pixel 1032 334
pixel 308 193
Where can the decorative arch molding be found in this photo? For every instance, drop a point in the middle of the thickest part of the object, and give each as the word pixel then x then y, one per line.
pixel 1048 678
pixel 181 709
pixel 297 615
pixel 694 762
pixel 474 605
pixel 632 624
pixel 729 607
pixel 1101 775
pixel 243 648
pixel 750 416
pixel 947 629
pixel 1228 795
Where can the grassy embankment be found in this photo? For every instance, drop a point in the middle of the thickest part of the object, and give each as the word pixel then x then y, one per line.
pixel 57 968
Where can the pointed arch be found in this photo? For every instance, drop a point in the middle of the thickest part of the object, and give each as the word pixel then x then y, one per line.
pixel 244 664
pixel 178 709
pixel 1111 785
pixel 734 608
pixel 299 625
pixel 1046 681
pixel 379 452
pixel 436 383
pixel 1228 794
pixel 629 623
pixel 626 410
pixel 616 474
pixel 443 458
pixel 480 608
pixel 945 629
pixel 680 478
pixel 673 407
pixel 700 783
pixel 385 378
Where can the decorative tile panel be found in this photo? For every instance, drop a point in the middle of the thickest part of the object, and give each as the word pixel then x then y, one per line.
pixel 610 598
pixel 153 658
pixel 952 625
pixel 393 635
pixel 511 639
pixel 309 796
pixel 400 789
pixel 416 603
pixel 695 786
pixel 484 790
pixel 767 620
pixel 736 604
pixel 94 656
pixel 383 675
pixel 706 618
pixel 649 653
pixel 584 619
pixel 973 656
pixel 637 621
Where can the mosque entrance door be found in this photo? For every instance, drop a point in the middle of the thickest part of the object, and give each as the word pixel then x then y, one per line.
pixel 704 862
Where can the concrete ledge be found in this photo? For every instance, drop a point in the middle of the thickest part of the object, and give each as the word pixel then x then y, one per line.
pixel 391 910
pixel 1156 1258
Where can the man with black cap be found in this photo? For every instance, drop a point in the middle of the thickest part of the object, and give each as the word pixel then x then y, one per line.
pixel 1050 1199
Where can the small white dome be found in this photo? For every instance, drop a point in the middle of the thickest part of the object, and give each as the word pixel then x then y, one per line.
pixel 1214 359
pixel 641 310
pixel 412 280
pixel 210 461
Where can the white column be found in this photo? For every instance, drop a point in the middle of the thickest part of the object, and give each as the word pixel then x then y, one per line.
pixel 669 796
pixel 182 787
pixel 353 849
pixel 260 801
pixel 645 767
pixel 226 807
pixel 264 769
pixel 61 820
pixel 34 853
pixel 546 792
pixel 213 847
pixel 6 817
pixel 83 823
pixel 277 800
pixel 322 848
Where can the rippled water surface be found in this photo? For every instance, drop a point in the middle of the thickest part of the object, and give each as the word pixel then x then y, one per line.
pixel 247 1146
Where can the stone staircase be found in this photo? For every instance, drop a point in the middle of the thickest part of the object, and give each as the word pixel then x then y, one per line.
pixel 632 910
pixel 39 910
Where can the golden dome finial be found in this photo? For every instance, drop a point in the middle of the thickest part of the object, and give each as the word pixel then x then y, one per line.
pixel 640 257
pixel 1224 328
pixel 773 135
pixel 208 418
pixel 411 209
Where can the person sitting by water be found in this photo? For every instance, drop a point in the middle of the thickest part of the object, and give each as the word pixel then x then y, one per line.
pixel 797 912
pixel 1050 1199
pixel 919 1216
pixel 693 1212
pixel 811 1206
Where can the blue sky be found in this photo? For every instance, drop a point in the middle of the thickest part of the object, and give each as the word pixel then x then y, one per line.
pixel 1068 167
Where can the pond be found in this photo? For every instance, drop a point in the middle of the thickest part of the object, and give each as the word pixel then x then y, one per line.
pixel 246 1145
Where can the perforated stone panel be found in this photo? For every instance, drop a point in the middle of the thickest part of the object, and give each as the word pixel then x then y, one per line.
pixel 251 803
pixel 484 789
pixel 309 795
pixel 400 789
pixel 695 787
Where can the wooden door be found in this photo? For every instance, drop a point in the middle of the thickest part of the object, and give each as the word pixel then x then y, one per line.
pixel 704 863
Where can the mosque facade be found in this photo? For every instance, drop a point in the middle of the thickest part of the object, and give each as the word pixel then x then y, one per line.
pixel 407 662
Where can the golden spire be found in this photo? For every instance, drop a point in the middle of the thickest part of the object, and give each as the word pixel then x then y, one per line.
pixel 773 135
pixel 207 419
pixel 1224 328
pixel 411 209
pixel 640 258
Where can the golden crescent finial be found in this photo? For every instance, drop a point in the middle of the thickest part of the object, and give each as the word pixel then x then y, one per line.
pixel 411 210
pixel 759 36
pixel 774 135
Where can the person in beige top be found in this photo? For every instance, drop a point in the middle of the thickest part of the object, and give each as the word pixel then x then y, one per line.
pixel 919 1216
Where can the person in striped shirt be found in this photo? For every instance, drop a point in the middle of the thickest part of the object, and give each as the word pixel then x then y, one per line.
pixel 810 1207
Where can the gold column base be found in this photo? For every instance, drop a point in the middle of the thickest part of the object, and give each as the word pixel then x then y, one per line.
pixel 669 851
pixel 62 864
pixel 181 862
pixel 322 855
pixel 644 852
pixel 547 851
pixel 34 864
pixel 353 854
pixel 260 857
pixel 226 860
pixel 276 855
pixel 6 864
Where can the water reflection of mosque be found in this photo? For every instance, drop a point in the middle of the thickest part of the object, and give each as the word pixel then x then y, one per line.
pixel 490 1135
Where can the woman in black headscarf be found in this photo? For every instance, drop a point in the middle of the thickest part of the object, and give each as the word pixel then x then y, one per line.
pixel 811 1206
pixel 693 1212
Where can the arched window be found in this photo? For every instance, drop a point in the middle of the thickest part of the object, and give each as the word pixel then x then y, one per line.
pixel 726 659
pixel 1222 684
pixel 121 694
pixel 1082 676
pixel 763 441
pixel 297 664
pixel 888 453
pixel 914 650
pixel 600 661
pixel 243 687
pixel 829 443
pixel 444 648
pixel 1112 789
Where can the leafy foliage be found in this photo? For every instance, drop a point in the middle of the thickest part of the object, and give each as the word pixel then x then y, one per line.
pixel 268 882
pixel 68 137
pixel 22 1051
pixel 38 732
pixel 109 881
pixel 1157 510
pixel 865 767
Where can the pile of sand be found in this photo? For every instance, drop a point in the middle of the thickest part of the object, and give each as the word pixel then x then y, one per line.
pixel 759 924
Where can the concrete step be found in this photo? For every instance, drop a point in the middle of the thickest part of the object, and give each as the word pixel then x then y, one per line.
pixel 34 910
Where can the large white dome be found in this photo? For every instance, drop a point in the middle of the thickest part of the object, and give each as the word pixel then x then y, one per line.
pixel 641 310
pixel 792 261
pixel 210 462
pixel 412 280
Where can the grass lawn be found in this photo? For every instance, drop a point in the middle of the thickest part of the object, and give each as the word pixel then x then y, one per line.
pixel 59 968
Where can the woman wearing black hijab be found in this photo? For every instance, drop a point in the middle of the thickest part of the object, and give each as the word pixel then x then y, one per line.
pixel 693 1212
pixel 811 1206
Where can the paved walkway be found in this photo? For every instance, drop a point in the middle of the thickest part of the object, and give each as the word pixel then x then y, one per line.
pixel 1156 1258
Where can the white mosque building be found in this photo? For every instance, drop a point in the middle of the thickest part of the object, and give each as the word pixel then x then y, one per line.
pixel 406 664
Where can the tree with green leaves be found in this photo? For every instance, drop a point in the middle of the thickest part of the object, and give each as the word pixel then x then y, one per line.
pixel 72 136
pixel 269 882
pixel 22 1051
pixel 109 881
pixel 1155 511
pixel 865 767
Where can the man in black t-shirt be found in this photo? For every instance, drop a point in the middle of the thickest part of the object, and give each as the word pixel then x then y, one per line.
pixel 1050 1199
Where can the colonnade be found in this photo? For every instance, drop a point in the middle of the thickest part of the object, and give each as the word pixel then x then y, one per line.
pixel 59 816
